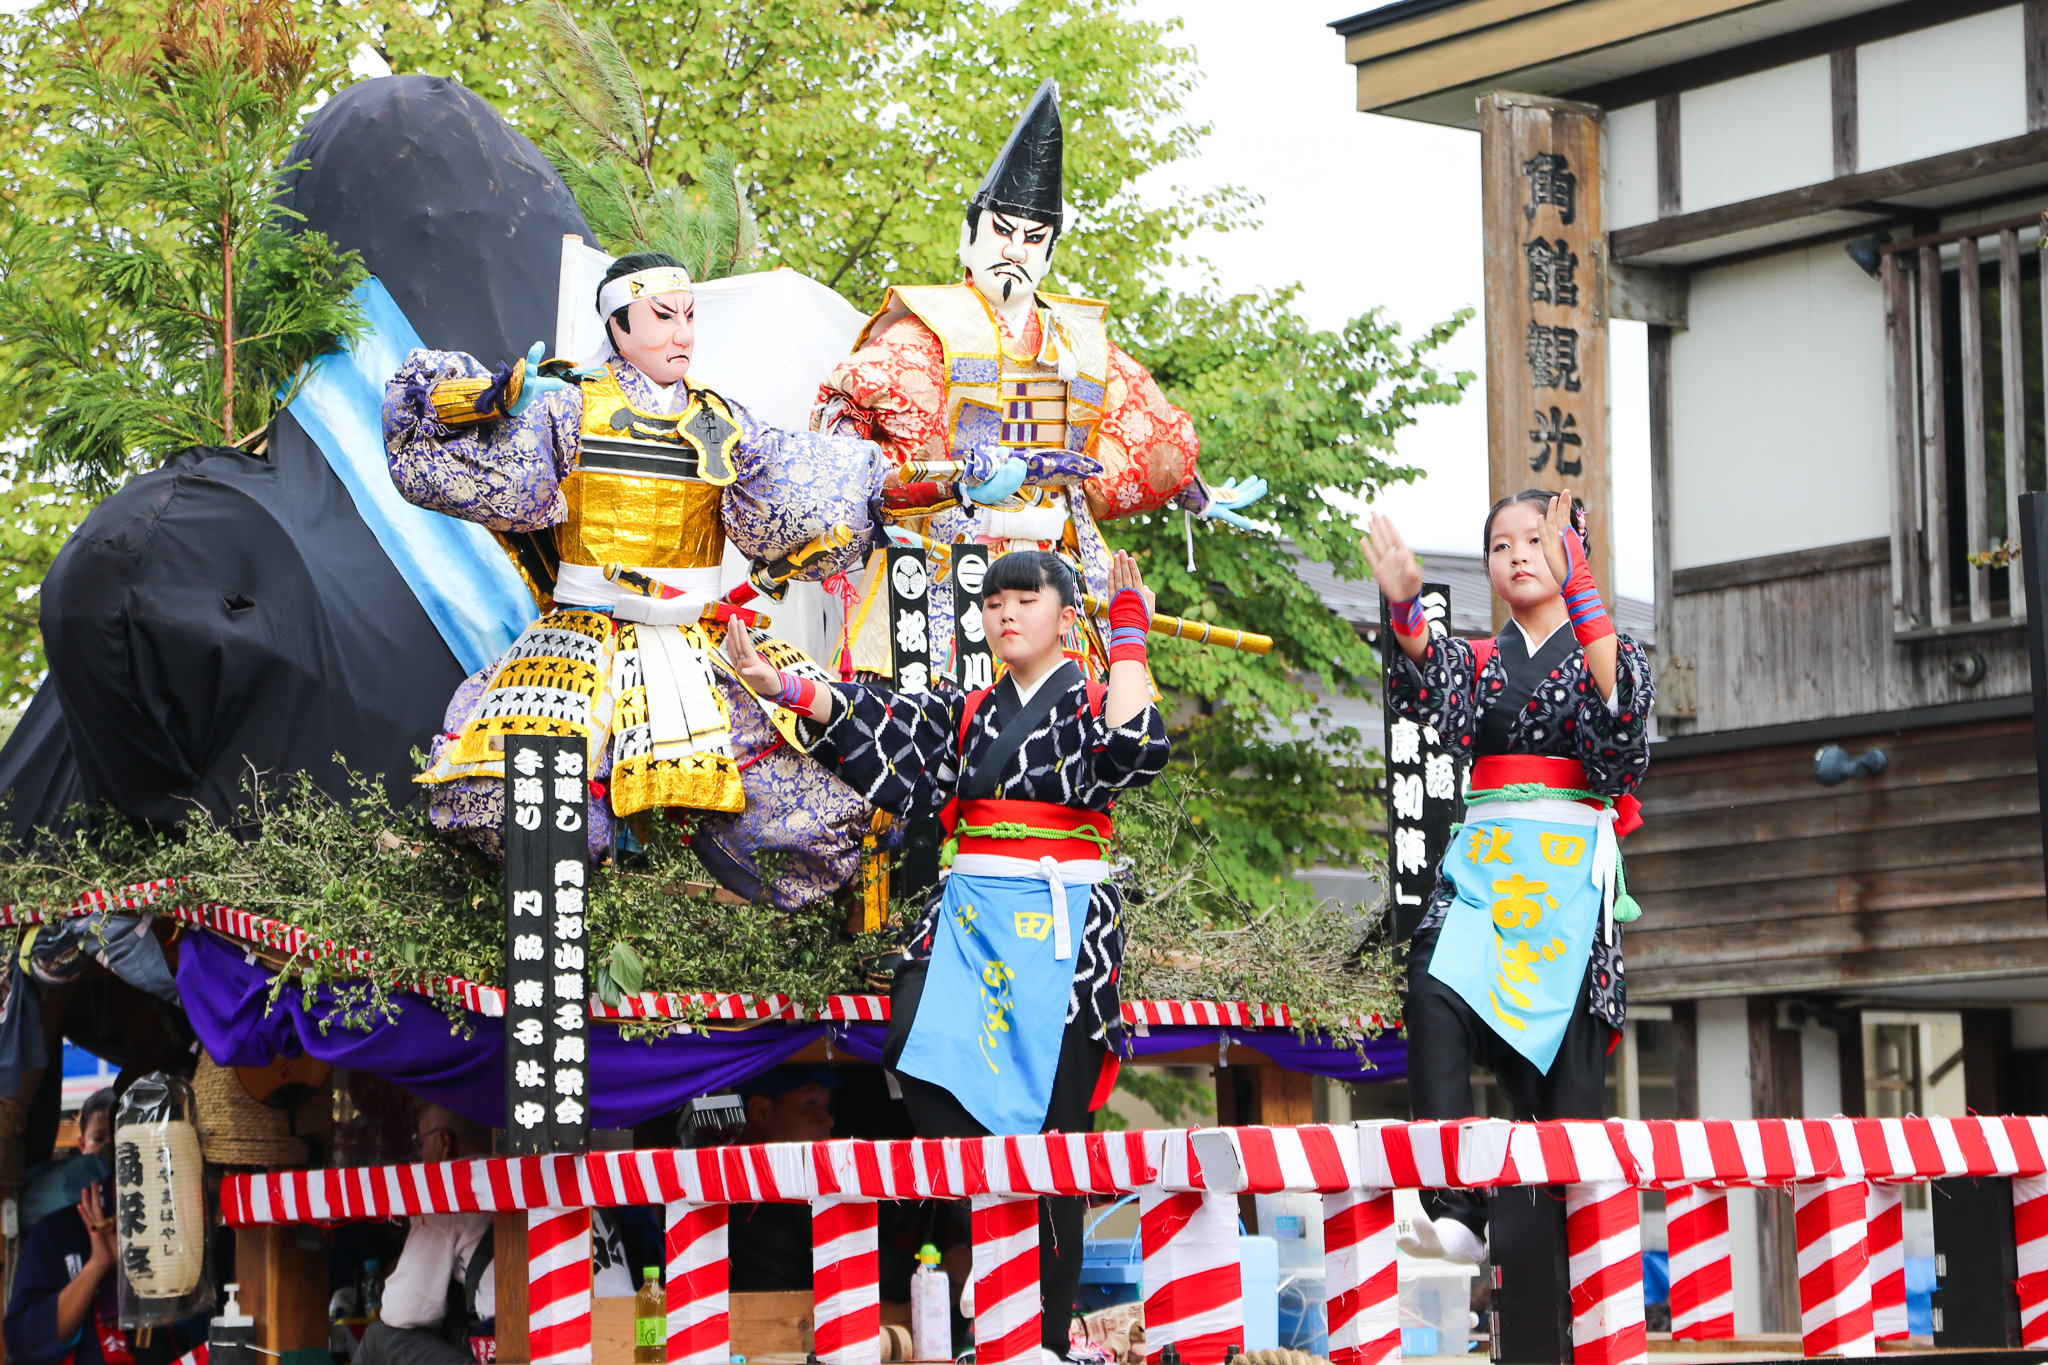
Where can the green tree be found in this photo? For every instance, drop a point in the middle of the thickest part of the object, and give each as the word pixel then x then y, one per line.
pixel 1278 786
pixel 151 299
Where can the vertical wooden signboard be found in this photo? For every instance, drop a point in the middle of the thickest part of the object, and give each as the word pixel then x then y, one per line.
pixel 974 663
pixel 1423 788
pixel 547 976
pixel 1546 311
pixel 910 638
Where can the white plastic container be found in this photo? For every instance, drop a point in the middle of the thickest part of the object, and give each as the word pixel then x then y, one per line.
pixel 931 1308
pixel 1295 1223
pixel 1258 1261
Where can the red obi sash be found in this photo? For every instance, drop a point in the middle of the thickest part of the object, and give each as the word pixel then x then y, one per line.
pixel 1027 829
pixel 1494 771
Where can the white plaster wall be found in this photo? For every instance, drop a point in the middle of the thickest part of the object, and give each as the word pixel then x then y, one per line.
pixel 1941 89
pixel 1820 1072
pixel 1724 1094
pixel 1779 434
pixel 1629 161
pixel 1756 135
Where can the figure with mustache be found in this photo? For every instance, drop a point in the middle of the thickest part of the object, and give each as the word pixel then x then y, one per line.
pixel 1022 387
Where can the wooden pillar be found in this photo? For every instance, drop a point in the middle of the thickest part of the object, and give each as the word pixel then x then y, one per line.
pixel 284 1287
pixel 508 1267
pixel 1775 1092
pixel 1546 313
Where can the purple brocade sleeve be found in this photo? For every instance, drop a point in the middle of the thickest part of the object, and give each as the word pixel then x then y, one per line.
pixel 794 486
pixel 505 475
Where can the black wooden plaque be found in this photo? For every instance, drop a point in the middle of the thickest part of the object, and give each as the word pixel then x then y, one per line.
pixel 910 640
pixel 1423 784
pixel 547 975
pixel 974 663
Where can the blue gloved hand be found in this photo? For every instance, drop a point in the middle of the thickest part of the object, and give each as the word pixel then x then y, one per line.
pixel 1000 484
pixel 1061 466
pixel 909 540
pixel 535 383
pixel 1227 497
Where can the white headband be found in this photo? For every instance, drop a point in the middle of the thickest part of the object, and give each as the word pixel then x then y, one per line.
pixel 660 279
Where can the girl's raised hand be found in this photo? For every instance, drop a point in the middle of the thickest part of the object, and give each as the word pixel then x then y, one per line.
pixel 1394 566
pixel 1555 523
pixel 756 672
pixel 1123 573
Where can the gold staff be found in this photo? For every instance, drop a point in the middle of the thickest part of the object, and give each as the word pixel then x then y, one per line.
pixel 1201 632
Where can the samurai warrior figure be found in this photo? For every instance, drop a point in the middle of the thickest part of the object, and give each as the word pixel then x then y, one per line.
pixel 1005 1015
pixel 1008 387
pixel 616 489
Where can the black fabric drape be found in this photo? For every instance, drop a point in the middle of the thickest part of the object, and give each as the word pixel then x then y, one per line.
pixel 230 613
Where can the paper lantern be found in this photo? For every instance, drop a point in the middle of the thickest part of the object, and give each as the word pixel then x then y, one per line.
pixel 159 1203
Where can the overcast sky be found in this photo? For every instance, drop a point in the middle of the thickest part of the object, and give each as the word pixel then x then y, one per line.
pixel 1368 211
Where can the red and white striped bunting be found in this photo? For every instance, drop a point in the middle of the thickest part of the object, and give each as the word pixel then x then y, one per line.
pixel 1885 1238
pixel 489 1001
pixel 1834 1268
pixel 846 1283
pixel 1359 1277
pixel 699 1284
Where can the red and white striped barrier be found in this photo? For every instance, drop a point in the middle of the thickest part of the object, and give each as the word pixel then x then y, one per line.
pixel 1834 1268
pixel 2030 1231
pixel 1358 1276
pixel 699 1284
pixel 1839 1170
pixel 1007 1323
pixel 1884 1237
pixel 845 1282
pixel 1603 1234
pixel 1702 1276
pixel 558 1285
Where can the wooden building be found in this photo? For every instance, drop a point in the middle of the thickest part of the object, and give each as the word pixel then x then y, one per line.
pixel 1829 214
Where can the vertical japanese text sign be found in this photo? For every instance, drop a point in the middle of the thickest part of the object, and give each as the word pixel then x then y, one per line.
pixel 910 637
pixel 974 663
pixel 547 979
pixel 1546 306
pixel 1422 786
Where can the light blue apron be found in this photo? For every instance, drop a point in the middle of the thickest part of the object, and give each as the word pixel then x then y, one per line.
pixel 1514 944
pixel 993 1013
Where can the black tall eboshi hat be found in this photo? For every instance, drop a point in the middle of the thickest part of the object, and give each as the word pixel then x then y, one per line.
pixel 1024 179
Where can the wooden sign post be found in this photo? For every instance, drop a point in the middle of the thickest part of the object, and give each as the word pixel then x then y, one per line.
pixel 1546 312
pixel 1423 789
pixel 547 971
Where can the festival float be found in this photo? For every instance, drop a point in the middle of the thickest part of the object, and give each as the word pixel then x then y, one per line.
pixel 331 714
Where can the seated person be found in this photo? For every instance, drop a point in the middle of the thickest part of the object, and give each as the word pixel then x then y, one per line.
pixel 63 1306
pixel 447 1257
pixel 769 1245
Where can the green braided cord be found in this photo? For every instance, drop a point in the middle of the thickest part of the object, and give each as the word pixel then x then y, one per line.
pixel 1533 791
pixel 1009 829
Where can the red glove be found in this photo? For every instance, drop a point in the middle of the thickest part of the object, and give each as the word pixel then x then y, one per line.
pixel 1128 622
pixel 1582 594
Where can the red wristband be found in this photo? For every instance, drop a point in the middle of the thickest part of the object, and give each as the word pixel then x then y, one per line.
pixel 1129 619
pixel 1582 594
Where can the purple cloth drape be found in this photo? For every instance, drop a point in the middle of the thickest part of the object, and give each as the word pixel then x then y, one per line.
pixel 631 1081
pixel 227 998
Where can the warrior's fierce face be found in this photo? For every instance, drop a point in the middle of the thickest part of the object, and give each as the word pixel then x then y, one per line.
pixel 657 334
pixel 1006 257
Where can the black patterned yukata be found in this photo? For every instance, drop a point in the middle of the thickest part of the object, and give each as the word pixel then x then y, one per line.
pixel 1565 717
pixel 901 752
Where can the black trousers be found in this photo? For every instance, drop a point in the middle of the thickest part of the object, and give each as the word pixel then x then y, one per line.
pixel 937 1114
pixel 1446 1038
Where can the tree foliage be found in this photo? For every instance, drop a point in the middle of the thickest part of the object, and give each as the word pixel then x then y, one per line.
pixel 1309 411
pixel 605 148
pixel 152 300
